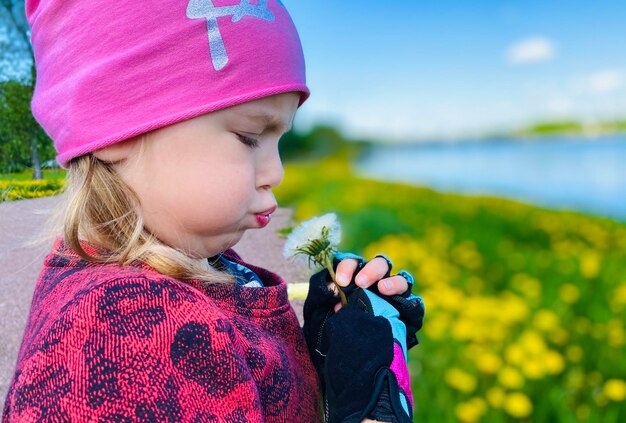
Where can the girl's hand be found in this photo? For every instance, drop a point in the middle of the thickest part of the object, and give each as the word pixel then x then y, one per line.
pixel 376 271
pixel 360 351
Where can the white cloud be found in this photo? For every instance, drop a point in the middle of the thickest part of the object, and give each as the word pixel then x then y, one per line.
pixel 531 50
pixel 605 81
pixel 559 106
pixel 602 82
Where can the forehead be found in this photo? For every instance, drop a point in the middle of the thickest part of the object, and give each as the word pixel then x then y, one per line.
pixel 277 110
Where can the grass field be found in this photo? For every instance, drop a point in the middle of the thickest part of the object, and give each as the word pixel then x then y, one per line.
pixel 525 307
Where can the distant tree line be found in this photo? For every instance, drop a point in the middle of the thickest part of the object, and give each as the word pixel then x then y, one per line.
pixel 322 140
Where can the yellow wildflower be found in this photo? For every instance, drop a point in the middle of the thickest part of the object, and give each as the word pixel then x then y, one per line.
pixel 533 343
pixel 546 320
pixel 472 410
pixel 515 306
pixel 601 399
pixel 590 264
pixel 460 380
pixel 615 333
pixel 515 354
pixel 574 353
pixel 466 255
pixel 534 368
pixel 463 329
pixel 594 378
pixel 496 397
pixel 569 293
pixel 474 284
pixel 560 336
pixel 554 362
pixel 582 325
pixel 575 379
pixel 615 390
pixel 526 285
pixel 437 327
pixel 518 405
pixel 583 411
pixel 510 377
pixel 619 295
pixel 488 363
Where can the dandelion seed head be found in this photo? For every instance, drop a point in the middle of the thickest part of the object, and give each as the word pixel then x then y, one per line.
pixel 321 230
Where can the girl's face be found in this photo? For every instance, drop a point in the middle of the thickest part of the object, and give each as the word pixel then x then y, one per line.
pixel 202 182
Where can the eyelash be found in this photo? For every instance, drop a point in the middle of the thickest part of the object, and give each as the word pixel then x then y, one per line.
pixel 250 142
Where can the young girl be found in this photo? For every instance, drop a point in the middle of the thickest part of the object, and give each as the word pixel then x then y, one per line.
pixel 167 115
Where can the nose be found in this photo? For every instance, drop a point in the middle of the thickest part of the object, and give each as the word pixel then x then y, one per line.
pixel 272 171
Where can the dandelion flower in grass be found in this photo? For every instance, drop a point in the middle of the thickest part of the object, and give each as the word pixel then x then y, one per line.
pixel 615 390
pixel 518 405
pixel 460 380
pixel 314 242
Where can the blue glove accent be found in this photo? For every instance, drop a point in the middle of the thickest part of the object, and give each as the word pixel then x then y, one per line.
pixel 340 256
pixel 382 308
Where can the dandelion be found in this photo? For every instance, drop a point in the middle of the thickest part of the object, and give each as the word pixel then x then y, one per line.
pixel 489 363
pixel 511 378
pixel 315 241
pixel 590 264
pixel 553 362
pixel 515 354
pixel 569 293
pixel 460 380
pixel 546 320
pixel 574 353
pixel 518 405
pixel 496 397
pixel 583 411
pixel 472 410
pixel 615 390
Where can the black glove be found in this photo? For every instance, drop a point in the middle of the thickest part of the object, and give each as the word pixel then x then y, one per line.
pixel 359 354
pixel 409 305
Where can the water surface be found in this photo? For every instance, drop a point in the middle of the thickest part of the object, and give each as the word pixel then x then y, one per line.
pixel 583 174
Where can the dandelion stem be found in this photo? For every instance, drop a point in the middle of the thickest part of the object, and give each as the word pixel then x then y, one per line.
pixel 329 266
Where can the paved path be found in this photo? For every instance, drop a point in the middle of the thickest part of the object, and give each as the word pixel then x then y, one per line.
pixel 20 264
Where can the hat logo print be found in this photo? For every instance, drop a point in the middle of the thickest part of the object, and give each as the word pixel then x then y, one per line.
pixel 206 9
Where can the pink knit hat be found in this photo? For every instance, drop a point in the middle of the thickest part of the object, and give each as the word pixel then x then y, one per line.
pixel 108 71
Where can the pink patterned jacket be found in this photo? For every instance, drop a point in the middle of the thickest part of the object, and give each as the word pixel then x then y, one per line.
pixel 111 343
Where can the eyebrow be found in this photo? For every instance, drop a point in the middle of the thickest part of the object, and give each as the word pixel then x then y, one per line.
pixel 272 121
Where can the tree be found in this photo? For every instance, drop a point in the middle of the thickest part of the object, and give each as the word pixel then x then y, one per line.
pixel 19 129
pixel 16 125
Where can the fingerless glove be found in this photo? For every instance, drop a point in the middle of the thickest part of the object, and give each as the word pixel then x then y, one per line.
pixel 360 352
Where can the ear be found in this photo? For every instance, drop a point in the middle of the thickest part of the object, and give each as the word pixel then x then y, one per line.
pixel 120 151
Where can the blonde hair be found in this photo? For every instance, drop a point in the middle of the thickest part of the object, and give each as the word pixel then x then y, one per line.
pixel 102 209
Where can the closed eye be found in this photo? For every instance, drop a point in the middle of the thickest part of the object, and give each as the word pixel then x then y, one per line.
pixel 250 142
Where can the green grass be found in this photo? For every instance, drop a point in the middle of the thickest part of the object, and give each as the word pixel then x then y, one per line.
pixel 27 175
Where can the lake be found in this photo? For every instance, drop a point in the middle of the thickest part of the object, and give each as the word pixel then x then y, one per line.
pixel 583 174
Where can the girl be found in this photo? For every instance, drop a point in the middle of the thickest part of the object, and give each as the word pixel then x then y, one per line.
pixel 167 115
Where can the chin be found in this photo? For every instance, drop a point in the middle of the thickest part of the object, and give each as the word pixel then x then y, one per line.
pixel 233 241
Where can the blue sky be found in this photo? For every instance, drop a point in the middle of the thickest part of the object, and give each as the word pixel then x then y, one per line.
pixel 403 70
